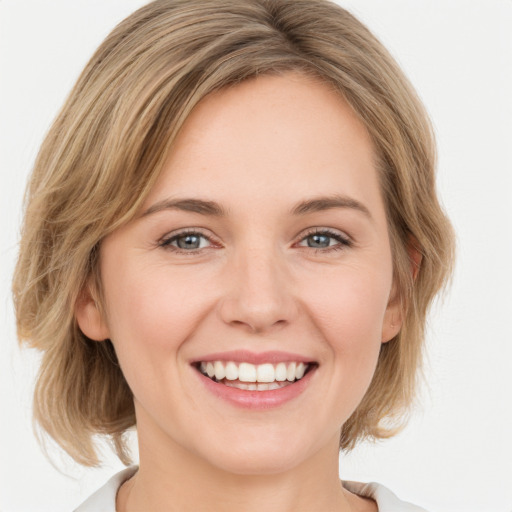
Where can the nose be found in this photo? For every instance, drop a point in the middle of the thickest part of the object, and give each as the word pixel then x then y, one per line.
pixel 258 292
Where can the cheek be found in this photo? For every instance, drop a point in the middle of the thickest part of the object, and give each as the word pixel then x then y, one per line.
pixel 349 309
pixel 350 313
pixel 150 314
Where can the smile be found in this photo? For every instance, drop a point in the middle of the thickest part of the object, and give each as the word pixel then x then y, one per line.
pixel 254 377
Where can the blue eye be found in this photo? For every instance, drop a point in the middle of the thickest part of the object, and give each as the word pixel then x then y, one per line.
pixel 319 241
pixel 193 241
pixel 325 239
pixel 188 241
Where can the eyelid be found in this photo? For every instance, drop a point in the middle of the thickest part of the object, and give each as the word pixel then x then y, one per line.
pixel 343 238
pixel 165 241
pixel 335 233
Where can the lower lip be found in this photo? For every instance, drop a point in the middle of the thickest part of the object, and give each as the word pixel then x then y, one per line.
pixel 257 399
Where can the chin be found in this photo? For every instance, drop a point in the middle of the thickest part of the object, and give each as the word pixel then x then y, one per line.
pixel 262 454
pixel 257 464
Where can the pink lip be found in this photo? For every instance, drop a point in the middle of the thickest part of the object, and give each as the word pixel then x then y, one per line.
pixel 244 356
pixel 257 399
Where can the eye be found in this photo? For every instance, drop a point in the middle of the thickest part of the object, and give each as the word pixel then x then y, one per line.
pixel 187 241
pixel 325 240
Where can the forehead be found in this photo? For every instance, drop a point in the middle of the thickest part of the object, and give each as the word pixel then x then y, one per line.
pixel 272 137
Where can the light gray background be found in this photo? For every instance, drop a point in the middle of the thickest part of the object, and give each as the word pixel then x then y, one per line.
pixel 456 454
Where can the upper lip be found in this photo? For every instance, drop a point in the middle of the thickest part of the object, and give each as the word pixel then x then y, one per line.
pixel 246 356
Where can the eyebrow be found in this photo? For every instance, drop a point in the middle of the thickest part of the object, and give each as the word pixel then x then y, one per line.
pixel 201 206
pixel 319 204
pixel 206 207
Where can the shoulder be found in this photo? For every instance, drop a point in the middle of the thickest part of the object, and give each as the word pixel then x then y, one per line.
pixel 386 500
pixel 104 499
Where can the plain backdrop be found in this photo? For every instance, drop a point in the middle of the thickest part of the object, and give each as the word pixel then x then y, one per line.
pixel 456 454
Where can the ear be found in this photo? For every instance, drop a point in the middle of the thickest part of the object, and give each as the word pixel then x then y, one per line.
pixel 89 316
pixel 393 318
pixel 395 311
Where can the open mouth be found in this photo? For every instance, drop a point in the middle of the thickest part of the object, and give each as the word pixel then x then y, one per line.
pixel 254 377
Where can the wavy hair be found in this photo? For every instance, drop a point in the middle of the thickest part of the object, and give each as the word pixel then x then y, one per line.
pixel 106 149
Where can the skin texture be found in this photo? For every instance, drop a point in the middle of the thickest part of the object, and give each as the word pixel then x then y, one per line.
pixel 255 283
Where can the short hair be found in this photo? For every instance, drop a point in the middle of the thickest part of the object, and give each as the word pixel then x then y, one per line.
pixel 106 149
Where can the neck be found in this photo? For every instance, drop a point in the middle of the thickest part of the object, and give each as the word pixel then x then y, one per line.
pixel 172 478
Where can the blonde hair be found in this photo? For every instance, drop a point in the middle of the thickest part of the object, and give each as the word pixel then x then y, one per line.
pixel 106 148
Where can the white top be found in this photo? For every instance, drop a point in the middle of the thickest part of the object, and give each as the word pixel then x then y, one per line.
pixel 104 499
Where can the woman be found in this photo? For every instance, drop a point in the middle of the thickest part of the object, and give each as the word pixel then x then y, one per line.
pixel 231 241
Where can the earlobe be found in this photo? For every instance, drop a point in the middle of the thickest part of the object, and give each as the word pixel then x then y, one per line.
pixel 89 317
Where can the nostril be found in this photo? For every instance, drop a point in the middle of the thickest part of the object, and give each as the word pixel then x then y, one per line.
pixel 260 325
pixel 258 308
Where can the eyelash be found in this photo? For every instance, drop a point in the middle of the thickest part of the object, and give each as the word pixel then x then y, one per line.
pixel 344 241
pixel 168 240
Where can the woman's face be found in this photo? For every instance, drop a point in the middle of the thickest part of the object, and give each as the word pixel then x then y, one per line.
pixel 261 252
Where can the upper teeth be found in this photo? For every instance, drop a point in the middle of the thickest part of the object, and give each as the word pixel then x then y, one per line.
pixel 247 372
